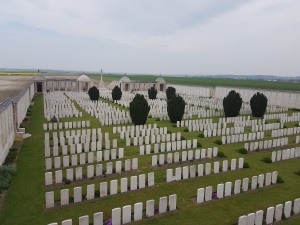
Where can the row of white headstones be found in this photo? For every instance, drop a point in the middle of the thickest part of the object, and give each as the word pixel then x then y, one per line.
pixel 123 215
pixel 285 154
pixel 266 144
pixel 186 172
pixel 66 125
pixel 136 182
pixel 206 194
pixel 83 158
pixel 130 164
pixel 273 214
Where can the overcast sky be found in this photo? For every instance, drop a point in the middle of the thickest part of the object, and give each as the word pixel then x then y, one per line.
pixel 152 36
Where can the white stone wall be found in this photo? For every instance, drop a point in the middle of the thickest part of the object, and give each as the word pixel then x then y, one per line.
pixel 7 131
pixel 22 106
pixel 31 90
pixel 280 98
pixel 200 91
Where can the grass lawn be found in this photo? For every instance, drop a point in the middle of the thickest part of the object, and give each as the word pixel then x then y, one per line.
pixel 203 81
pixel 24 202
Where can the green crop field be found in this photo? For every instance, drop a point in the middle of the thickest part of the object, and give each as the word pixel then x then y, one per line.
pixel 209 81
pixel 25 200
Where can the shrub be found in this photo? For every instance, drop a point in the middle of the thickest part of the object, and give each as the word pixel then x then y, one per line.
pixel 280 180
pixel 10 169
pixel 267 160
pixel 218 142
pixel 297 173
pixel 22 125
pixel 11 157
pixel 93 92
pixel 4 183
pixel 53 120
pixel 232 104
pixel 152 92
pixel 201 135
pixel 68 181
pixel 6 173
pixel 170 92
pixel 243 151
pixel 71 199
pixel 258 104
pixel 139 109
pixel 116 93
pixel 185 130
pixel 221 154
pixel 175 108
pixel 246 165
pixel 97 193
pixel 199 145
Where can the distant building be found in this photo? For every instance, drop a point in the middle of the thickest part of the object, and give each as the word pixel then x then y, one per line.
pixel 132 85
pixel 62 82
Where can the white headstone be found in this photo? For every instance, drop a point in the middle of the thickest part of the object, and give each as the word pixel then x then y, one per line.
pixel 220 190
pixel 138 211
pixel 150 208
pixel 116 216
pixel 163 204
pixel 126 214
pixel 228 186
pixel 208 193
pixel 200 195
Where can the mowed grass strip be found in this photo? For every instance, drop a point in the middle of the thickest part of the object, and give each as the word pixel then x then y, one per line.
pixel 24 203
pixel 25 199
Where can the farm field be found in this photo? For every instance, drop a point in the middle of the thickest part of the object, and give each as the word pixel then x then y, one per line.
pixel 209 82
pixel 25 200
pixel 14 73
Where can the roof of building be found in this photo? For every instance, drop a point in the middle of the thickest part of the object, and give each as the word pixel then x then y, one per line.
pixel 160 80
pixel 124 79
pixel 84 77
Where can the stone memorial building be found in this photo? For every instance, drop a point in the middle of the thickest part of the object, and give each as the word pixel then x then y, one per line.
pixel 61 82
pixel 132 85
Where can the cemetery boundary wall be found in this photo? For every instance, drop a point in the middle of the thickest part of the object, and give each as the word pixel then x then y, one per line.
pixel 289 99
pixel 12 113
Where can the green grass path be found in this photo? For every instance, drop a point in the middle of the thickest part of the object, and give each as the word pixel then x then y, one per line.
pixel 25 199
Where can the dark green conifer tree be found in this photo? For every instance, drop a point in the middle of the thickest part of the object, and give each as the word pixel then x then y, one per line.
pixel 258 104
pixel 93 92
pixel 171 91
pixel 175 108
pixel 116 93
pixel 152 92
pixel 232 104
pixel 139 110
